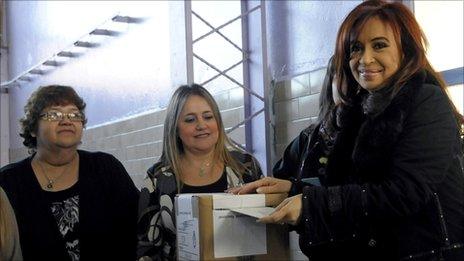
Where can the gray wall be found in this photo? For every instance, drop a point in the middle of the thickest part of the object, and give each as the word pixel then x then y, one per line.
pixel 302 34
pixel 134 65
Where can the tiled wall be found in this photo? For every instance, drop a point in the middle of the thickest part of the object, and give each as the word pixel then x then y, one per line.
pixel 137 142
pixel 296 106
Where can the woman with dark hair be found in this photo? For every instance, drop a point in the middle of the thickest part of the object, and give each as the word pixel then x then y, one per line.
pixel 394 186
pixel 296 163
pixel 197 157
pixel 70 204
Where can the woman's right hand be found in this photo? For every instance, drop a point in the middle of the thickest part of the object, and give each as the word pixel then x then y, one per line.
pixel 265 185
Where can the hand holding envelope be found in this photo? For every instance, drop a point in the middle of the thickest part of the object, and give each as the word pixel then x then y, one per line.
pixel 289 211
pixel 265 185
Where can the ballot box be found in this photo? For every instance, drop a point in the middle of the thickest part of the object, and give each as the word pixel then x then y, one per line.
pixel 221 226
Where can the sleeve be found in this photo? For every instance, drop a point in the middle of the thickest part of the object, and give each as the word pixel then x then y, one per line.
pixel 287 166
pixel 156 240
pixel 252 168
pixel 420 159
pixel 257 173
pixel 125 198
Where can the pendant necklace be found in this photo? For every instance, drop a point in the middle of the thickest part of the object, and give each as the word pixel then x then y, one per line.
pixel 203 168
pixel 52 181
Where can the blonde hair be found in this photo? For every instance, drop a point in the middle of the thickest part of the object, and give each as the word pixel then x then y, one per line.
pixel 3 226
pixel 7 222
pixel 172 144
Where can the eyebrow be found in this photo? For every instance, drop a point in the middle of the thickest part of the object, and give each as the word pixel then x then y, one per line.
pixel 380 38
pixel 59 107
pixel 192 113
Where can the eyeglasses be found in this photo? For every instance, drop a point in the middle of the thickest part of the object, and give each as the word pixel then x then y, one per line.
pixel 59 116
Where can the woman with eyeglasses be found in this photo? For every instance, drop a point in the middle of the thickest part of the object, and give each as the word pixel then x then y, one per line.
pixel 70 204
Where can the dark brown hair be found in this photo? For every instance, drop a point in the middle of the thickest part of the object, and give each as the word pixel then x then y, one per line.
pixel 326 99
pixel 408 35
pixel 43 97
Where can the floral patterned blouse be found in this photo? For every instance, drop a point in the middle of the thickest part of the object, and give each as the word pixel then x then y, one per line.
pixel 156 223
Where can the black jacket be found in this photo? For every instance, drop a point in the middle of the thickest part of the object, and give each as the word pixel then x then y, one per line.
pixel 298 161
pixel 107 210
pixel 393 187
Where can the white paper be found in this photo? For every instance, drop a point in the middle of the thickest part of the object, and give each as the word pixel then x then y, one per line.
pixel 237 235
pixel 188 238
pixel 255 212
pixel 184 204
pixel 228 201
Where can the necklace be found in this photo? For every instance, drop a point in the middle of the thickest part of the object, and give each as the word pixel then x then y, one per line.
pixel 203 167
pixel 52 181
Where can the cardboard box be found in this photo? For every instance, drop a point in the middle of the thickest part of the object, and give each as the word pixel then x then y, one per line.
pixel 208 230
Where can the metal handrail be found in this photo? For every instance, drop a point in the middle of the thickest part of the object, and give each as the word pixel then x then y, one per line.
pixel 51 61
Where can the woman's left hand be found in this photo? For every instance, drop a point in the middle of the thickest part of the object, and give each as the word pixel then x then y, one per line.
pixel 289 211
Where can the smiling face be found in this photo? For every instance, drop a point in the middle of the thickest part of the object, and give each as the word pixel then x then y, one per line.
pixel 375 55
pixel 60 133
pixel 197 126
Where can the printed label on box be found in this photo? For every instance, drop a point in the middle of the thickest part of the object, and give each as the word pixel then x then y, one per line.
pixel 188 238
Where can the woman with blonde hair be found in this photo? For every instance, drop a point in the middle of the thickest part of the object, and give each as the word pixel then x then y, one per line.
pixel 197 157
pixel 9 237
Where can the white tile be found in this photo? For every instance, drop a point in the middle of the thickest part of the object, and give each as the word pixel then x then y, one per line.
pixel 300 86
pixel 308 106
pixel 238 135
pixel 232 117
pixel 160 117
pixel 222 100
pixel 316 79
pixel 138 180
pixel 286 110
pixel 236 97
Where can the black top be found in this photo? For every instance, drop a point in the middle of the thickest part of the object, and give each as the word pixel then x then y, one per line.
pixel 219 185
pixel 64 206
pixel 108 203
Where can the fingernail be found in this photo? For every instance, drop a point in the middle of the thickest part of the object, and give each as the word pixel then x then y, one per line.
pixel 259 190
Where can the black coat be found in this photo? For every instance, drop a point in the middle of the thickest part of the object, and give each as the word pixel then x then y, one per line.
pixel 108 203
pixel 393 187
